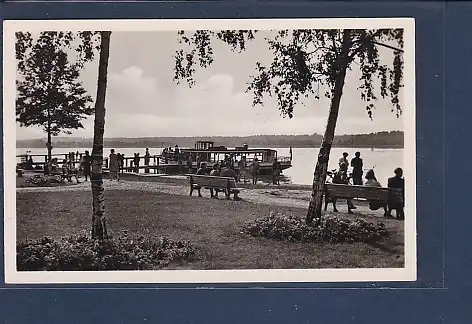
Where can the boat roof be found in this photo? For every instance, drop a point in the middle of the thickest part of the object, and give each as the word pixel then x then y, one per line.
pixel 231 150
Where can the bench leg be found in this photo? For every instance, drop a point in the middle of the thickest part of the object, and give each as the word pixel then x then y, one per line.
pixel 400 214
pixel 236 197
pixel 350 206
pixel 333 200
pixel 191 190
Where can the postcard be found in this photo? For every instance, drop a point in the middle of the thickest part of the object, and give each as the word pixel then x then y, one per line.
pixel 209 151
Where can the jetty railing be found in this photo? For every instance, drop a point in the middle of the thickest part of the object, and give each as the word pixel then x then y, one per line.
pixel 42 159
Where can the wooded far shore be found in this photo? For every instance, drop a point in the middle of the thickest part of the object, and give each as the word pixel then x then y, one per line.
pixel 392 139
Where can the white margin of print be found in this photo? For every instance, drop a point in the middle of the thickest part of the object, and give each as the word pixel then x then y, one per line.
pixel 12 276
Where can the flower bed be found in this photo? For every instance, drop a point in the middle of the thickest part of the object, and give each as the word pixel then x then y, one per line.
pixel 331 229
pixel 83 253
pixel 42 180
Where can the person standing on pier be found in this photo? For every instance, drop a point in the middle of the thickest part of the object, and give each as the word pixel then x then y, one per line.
pixel 255 166
pixel 147 158
pixel 113 166
pixel 86 163
pixel 276 170
pixel 357 169
pixel 179 162
pixel 121 159
pixel 242 165
pixel 136 162
pixel 199 160
pixel 189 164
pixel 176 153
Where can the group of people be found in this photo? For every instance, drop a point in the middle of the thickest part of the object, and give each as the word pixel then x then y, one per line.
pixel 357 167
pixel 175 154
pixel 68 167
pixel 116 163
pixel 242 171
pixel 397 182
pixel 219 170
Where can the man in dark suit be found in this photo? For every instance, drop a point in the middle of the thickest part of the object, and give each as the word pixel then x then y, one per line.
pixel 397 182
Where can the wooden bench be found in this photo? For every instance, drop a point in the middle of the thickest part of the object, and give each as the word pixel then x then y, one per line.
pixel 227 184
pixel 377 194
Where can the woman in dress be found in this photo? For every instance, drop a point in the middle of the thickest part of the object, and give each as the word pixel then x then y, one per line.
pixel 371 181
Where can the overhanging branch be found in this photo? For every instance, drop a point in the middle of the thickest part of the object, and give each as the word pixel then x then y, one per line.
pixel 387 46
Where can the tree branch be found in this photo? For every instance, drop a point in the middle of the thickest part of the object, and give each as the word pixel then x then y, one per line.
pixel 334 43
pixel 387 46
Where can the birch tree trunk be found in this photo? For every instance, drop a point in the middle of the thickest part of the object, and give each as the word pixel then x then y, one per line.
pixel 321 169
pixel 99 226
pixel 49 146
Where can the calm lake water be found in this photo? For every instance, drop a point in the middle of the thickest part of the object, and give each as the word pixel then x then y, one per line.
pixel 383 161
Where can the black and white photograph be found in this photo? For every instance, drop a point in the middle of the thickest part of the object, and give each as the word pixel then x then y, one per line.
pixel 209 151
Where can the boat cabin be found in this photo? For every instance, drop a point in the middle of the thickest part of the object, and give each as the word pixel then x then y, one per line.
pixel 206 151
pixel 204 145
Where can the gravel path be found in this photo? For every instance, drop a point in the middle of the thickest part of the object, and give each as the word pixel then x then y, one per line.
pixel 270 196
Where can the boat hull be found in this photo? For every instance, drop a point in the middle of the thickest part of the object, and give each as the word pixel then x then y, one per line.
pixel 173 167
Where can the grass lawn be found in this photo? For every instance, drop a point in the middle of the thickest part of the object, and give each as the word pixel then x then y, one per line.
pixel 213 226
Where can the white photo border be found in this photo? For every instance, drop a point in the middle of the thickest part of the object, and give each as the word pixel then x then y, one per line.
pixel 12 276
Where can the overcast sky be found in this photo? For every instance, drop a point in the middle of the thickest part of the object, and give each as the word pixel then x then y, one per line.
pixel 143 100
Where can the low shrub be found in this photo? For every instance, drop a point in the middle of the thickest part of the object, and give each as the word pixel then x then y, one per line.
pixel 331 229
pixel 83 253
pixel 42 180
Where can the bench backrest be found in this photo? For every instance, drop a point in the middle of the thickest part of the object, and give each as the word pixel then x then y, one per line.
pixel 367 192
pixel 212 181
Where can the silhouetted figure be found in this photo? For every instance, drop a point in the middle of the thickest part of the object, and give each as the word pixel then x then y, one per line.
pixel 216 173
pixel 255 166
pixel 342 177
pixel 397 182
pixel 176 153
pixel 189 164
pixel 136 160
pixel 357 169
pixel 113 165
pixel 147 158
pixel 276 170
pixel 230 173
pixel 199 160
pixel 202 171
pixel 85 164
pixel 29 163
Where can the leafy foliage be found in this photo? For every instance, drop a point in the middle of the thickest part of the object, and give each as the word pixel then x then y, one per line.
pixel 304 60
pixel 331 229
pixel 49 93
pixel 83 253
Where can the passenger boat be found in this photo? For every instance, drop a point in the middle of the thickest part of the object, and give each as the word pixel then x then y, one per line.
pixel 206 151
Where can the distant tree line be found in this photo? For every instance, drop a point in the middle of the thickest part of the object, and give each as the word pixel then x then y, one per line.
pixel 392 139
